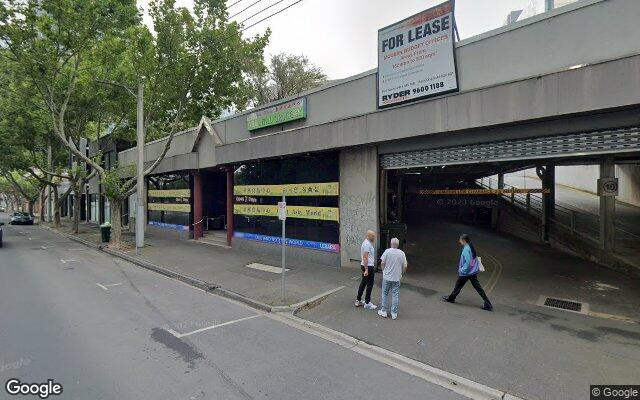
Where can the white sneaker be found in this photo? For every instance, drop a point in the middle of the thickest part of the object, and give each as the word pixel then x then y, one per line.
pixel 359 303
pixel 370 306
pixel 394 316
pixel 382 313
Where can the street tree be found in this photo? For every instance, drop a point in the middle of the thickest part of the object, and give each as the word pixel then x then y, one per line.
pixel 191 64
pixel 286 75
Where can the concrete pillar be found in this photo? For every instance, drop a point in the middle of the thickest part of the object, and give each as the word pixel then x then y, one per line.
pixel 359 193
pixel 399 199
pixel 550 183
pixel 495 211
pixel 607 209
pixel 229 205
pixel 384 176
pixel 197 206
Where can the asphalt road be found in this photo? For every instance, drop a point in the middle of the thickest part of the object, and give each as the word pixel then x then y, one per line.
pixel 102 328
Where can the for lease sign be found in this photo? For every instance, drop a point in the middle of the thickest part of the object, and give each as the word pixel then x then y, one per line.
pixel 416 57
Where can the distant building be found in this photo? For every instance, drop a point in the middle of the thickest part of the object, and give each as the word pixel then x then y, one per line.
pixel 536 7
pixel 512 17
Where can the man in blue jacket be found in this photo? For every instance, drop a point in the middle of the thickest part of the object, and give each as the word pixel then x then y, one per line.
pixel 468 271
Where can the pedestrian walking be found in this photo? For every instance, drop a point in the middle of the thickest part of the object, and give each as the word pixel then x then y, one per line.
pixel 368 267
pixel 394 263
pixel 468 271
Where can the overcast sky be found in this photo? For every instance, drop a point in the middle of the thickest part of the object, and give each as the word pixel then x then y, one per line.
pixel 340 35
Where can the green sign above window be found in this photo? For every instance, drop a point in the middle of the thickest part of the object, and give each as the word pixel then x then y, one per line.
pixel 276 115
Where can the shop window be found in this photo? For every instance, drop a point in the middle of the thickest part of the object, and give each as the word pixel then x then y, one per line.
pixel 318 208
pixel 169 201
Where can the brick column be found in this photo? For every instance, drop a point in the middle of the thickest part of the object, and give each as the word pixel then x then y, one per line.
pixel 197 206
pixel 229 205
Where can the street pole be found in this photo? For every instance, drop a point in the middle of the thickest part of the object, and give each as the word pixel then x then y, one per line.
pixel 284 220
pixel 140 217
pixel 49 192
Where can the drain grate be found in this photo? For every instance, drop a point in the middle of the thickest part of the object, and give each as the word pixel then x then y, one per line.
pixel 563 304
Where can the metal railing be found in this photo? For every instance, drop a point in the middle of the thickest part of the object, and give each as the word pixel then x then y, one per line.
pixel 575 220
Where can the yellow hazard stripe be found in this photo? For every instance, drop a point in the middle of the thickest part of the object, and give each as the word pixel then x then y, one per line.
pixel 481 191
pixel 294 189
pixel 170 193
pixel 303 212
pixel 169 207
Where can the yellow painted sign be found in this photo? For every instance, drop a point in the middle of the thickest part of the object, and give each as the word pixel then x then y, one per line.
pixel 170 193
pixel 481 191
pixel 294 189
pixel 169 207
pixel 303 212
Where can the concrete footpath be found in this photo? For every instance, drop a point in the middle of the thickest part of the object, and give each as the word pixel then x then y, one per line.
pixel 225 270
pixel 522 348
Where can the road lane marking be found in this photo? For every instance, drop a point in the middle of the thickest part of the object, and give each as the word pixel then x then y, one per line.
pixel 67 261
pixel 495 276
pixel 106 287
pixel 181 335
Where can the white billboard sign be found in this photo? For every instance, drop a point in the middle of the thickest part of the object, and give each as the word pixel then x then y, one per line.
pixel 416 57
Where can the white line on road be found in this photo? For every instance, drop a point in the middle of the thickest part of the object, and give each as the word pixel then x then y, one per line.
pixel 181 335
pixel 106 287
pixel 67 261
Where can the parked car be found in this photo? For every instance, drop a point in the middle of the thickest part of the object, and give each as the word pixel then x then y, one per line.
pixel 1 223
pixel 21 218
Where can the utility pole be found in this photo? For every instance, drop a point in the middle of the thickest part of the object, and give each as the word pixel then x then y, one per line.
pixel 140 217
pixel 282 216
pixel 49 166
pixel 140 214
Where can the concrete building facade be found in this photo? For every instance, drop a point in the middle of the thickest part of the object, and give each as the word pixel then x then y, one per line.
pixel 565 76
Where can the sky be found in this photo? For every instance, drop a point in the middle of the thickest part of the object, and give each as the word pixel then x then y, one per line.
pixel 340 36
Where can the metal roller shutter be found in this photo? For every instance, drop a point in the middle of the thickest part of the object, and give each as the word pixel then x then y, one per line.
pixel 577 144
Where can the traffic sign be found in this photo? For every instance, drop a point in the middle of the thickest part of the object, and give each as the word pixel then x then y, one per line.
pixel 282 210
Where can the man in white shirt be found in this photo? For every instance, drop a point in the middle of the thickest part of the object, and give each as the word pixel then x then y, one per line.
pixel 368 267
pixel 394 263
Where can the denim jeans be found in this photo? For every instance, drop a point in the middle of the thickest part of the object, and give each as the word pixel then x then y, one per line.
pixel 395 293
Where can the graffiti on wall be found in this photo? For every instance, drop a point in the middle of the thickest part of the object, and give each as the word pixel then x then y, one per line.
pixel 358 214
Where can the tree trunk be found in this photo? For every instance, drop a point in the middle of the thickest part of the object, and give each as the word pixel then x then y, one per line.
pixel 116 222
pixel 31 204
pixel 43 197
pixel 77 197
pixel 56 207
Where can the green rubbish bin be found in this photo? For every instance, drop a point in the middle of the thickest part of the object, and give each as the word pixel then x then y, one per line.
pixel 391 230
pixel 105 232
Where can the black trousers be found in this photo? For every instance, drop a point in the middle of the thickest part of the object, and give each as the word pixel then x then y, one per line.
pixel 367 281
pixel 476 285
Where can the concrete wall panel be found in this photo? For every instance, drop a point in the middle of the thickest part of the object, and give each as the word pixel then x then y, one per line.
pixel 358 200
pixel 629 176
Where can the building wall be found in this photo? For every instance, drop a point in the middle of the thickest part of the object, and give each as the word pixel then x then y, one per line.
pixel 585 178
pixel 629 176
pixel 522 50
pixel 529 52
pixel 358 200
